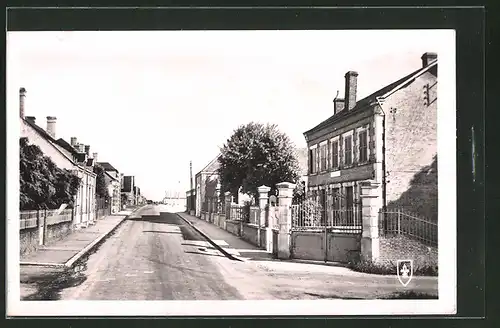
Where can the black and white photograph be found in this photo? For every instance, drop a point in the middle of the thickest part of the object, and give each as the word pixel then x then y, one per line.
pixel 237 172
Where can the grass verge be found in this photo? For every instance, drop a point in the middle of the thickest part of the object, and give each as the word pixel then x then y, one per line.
pixel 389 268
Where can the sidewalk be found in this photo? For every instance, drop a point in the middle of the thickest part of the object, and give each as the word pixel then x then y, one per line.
pixel 232 244
pixel 65 252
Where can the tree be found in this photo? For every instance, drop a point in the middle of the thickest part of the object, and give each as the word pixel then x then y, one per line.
pixel 255 155
pixel 43 185
pixel 101 185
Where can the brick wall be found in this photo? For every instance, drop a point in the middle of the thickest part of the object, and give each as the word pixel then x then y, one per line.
pixel 28 240
pixel 393 248
pixel 411 148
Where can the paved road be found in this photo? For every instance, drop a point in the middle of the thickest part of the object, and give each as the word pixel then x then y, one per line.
pixel 155 255
pixel 152 256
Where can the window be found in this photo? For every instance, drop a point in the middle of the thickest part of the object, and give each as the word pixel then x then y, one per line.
pixel 335 154
pixel 312 161
pixel 363 146
pixel 348 150
pixel 322 154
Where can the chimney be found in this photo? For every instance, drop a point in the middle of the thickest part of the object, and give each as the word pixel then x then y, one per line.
pixel 32 119
pixel 22 97
pixel 74 142
pixel 428 58
pixel 94 156
pixel 51 126
pixel 351 86
pixel 87 150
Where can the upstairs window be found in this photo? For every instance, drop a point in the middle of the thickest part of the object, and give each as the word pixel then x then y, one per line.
pixel 348 150
pixel 322 155
pixel 335 154
pixel 363 146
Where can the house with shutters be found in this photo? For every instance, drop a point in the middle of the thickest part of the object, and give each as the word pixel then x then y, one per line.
pixel 74 158
pixel 387 139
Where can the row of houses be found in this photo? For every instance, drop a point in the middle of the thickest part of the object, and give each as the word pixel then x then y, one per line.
pixel 76 157
pixel 387 139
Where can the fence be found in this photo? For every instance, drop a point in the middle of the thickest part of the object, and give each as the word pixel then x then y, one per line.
pixel 240 213
pixel 396 222
pixel 30 219
pixel 347 220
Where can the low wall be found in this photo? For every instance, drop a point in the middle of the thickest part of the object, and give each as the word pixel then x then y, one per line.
pixel 400 247
pixel 222 221
pixel 249 234
pixel 233 227
pixel 29 240
pixel 310 245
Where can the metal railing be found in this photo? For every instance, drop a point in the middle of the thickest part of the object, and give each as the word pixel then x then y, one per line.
pixel 346 220
pixel 397 222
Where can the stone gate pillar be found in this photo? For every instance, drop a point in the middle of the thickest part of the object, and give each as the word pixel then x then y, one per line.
pixel 263 200
pixel 227 205
pixel 371 202
pixel 285 195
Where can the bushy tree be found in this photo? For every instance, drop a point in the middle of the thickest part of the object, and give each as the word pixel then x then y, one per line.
pixel 255 155
pixel 43 185
pixel 101 183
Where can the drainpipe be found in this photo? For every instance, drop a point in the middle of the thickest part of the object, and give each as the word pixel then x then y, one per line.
pixel 384 176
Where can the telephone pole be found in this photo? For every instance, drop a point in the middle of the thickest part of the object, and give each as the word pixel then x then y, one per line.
pixel 191 175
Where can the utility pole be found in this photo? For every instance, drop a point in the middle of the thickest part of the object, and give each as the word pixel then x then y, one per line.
pixel 191 175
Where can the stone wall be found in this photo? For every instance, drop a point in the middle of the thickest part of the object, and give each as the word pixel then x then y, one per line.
pixel 411 148
pixel 233 227
pixel 393 248
pixel 29 238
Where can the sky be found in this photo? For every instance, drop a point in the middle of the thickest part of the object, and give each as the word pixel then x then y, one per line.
pixel 149 102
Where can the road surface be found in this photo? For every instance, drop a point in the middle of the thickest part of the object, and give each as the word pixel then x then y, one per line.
pixel 155 255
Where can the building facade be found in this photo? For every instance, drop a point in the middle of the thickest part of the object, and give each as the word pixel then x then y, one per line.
pixel 205 185
pixel 65 157
pixel 388 139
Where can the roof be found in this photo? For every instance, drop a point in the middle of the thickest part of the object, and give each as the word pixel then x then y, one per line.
pixel 110 176
pixel 53 142
pixel 212 166
pixel 107 167
pixel 364 103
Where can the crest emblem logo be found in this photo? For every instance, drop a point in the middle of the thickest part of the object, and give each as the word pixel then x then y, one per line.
pixel 405 271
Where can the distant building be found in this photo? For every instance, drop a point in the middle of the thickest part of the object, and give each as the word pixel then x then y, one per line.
pixel 128 189
pixel 205 184
pixel 113 180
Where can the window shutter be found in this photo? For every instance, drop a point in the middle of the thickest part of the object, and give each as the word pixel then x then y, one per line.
pixel 354 148
pixel 341 151
pixel 328 155
pixel 317 158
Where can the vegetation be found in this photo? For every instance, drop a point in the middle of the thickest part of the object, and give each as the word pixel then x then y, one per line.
pixel 389 268
pixel 43 185
pixel 101 183
pixel 256 155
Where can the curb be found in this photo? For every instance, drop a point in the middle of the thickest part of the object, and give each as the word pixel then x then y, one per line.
pixel 81 253
pixel 96 241
pixel 220 249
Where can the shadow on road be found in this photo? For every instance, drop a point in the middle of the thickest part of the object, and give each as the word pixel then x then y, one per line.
pixel 166 232
pixel 188 233
pixel 50 284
